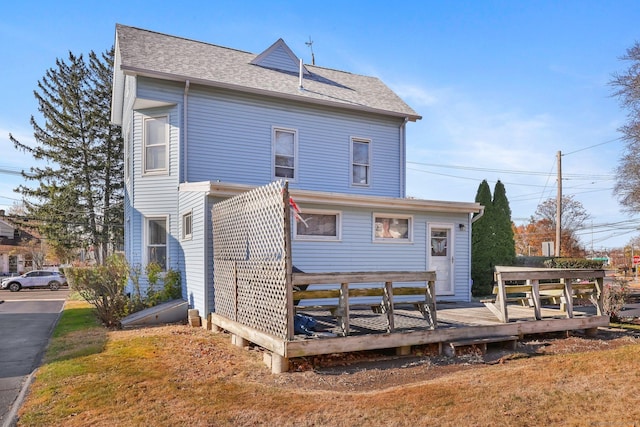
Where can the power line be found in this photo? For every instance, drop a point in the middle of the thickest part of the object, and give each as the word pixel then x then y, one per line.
pixel 593 146
pixel 11 172
pixel 512 171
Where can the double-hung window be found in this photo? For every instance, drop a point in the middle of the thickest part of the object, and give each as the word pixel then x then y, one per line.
pixel 318 225
pixel 157 241
pixel 155 144
pixel 285 147
pixel 360 161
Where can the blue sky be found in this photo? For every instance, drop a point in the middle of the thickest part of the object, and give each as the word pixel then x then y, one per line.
pixel 502 85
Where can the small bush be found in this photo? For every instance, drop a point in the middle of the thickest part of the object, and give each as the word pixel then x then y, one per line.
pixel 615 297
pixel 154 272
pixel 170 282
pixel 172 285
pixel 103 287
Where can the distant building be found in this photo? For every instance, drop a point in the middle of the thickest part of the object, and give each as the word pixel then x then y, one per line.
pixel 15 249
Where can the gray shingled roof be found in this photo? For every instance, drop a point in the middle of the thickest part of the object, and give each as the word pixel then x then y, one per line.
pixel 150 53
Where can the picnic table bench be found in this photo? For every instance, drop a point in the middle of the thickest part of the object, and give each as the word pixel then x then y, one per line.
pixel 336 298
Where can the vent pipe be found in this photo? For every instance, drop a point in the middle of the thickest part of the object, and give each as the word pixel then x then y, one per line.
pixel 300 84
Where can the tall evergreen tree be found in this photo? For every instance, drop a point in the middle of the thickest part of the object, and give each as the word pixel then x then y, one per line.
pixel 76 197
pixel 482 243
pixel 505 247
pixel 492 241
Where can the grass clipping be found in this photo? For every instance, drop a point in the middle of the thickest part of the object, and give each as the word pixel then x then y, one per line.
pixel 181 376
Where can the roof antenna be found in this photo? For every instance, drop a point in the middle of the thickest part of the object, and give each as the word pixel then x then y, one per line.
pixel 310 44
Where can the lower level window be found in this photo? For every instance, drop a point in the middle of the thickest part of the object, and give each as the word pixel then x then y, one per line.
pixel 392 228
pixel 318 225
pixel 157 241
pixel 187 225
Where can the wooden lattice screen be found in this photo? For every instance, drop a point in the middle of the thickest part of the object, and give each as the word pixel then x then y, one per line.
pixel 249 259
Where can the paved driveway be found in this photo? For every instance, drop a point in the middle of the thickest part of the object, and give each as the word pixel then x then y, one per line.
pixel 27 319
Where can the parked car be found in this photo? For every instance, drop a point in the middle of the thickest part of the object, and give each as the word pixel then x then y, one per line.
pixel 34 279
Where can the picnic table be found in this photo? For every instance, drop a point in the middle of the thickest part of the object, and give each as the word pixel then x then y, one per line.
pixel 560 283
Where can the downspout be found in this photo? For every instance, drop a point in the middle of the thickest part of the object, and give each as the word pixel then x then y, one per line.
pixel 403 158
pixel 473 219
pixel 184 130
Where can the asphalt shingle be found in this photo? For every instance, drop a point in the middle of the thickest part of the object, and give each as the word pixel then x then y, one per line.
pixel 147 52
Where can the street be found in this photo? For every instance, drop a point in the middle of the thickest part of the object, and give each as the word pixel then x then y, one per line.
pixel 27 319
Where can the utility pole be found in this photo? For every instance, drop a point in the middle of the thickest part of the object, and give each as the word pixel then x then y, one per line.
pixel 559 206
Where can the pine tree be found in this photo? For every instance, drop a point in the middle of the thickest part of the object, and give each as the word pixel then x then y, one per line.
pixel 76 197
pixel 505 248
pixel 482 243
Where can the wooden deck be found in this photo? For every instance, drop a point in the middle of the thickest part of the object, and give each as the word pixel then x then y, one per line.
pixel 368 330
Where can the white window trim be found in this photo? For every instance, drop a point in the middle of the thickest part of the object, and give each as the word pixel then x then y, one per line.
pixel 352 163
pixel 337 238
pixel 145 250
pixel 165 170
pixel 296 170
pixel 395 241
pixel 186 236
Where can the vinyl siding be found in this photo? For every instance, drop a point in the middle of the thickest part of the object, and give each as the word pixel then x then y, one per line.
pixel 193 252
pixel 357 252
pixel 153 195
pixel 280 60
pixel 230 140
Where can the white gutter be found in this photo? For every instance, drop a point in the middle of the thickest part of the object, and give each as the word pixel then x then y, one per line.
pixel 225 190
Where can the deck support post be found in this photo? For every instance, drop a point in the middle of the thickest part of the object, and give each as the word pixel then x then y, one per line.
pixel 238 341
pixel 591 332
pixel 277 363
pixel 403 351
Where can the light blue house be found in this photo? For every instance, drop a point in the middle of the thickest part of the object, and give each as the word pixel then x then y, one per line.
pixel 202 123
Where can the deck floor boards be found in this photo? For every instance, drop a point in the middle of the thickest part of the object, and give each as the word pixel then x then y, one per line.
pixel 450 315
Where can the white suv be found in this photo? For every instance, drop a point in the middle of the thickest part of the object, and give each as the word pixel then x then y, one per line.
pixel 34 279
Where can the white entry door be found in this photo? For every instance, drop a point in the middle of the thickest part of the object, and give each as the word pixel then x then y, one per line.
pixel 440 256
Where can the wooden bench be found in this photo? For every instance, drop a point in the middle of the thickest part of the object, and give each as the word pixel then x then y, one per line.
pixel 515 293
pixel 340 290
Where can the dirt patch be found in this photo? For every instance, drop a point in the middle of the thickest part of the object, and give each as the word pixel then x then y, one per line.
pixel 376 370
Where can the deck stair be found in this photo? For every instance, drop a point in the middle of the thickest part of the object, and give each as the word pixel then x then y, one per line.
pixel 450 347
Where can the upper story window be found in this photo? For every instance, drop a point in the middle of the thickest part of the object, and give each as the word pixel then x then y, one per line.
pixel 285 148
pixel 320 225
pixel 156 144
pixel 157 241
pixel 360 161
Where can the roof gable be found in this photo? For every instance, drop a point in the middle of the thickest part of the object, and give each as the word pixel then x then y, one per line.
pixel 280 57
pixel 6 229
